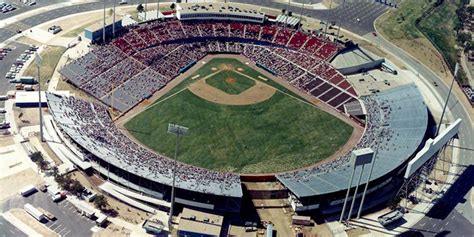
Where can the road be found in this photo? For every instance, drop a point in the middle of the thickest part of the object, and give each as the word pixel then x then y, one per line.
pixel 466 134
pixel 21 8
pixel 364 10
pixel 447 216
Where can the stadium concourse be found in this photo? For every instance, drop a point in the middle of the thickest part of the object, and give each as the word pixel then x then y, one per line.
pixel 144 58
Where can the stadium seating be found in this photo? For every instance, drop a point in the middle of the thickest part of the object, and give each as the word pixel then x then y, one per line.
pixel 162 49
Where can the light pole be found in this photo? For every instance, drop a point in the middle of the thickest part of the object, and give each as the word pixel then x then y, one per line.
pixel 339 27
pixel 146 3
pixel 103 25
pixel 158 9
pixel 327 21
pixel 456 69
pixel 38 61
pixel 113 23
pixel 178 131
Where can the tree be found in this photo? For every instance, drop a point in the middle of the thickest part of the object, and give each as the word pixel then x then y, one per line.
pixel 100 202
pixel 55 172
pixel 469 46
pixel 290 13
pixel 173 6
pixel 76 187
pixel 36 156
pixel 464 37
pixel 283 11
pixel 140 8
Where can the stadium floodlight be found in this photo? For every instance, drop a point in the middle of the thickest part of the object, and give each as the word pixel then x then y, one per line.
pixel 178 131
pixel 359 157
pixel 38 62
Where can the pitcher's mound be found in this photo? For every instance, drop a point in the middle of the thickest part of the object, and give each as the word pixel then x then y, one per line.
pixel 258 93
pixel 230 80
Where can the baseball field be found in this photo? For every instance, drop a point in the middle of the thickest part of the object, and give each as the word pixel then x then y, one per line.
pixel 239 121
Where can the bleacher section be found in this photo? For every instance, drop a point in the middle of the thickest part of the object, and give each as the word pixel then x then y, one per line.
pixel 396 125
pixel 90 126
pixel 146 57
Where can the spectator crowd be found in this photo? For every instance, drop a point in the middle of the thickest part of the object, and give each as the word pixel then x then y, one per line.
pixel 146 57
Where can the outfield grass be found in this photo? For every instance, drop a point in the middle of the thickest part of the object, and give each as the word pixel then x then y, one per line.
pixel 230 82
pixel 279 134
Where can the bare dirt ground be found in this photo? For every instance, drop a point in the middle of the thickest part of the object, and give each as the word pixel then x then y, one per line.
pixel 277 212
pixel 26 117
pixel 112 230
pixel 258 93
pixel 26 40
pixel 11 184
pixel 36 142
pixel 124 211
pixel 357 232
pixel 264 186
pixel 6 141
pixel 32 223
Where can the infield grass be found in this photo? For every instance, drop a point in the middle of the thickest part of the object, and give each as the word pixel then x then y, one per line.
pixel 279 134
pixel 230 82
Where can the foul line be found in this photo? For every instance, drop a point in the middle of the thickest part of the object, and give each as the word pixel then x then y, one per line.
pixel 285 93
pixel 166 98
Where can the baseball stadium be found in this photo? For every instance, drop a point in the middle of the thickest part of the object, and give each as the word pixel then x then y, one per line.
pixel 252 116
pixel 261 100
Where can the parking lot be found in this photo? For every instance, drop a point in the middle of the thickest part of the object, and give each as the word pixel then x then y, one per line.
pixel 5 65
pixel 68 221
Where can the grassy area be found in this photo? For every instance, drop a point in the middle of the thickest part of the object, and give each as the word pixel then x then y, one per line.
pixel 230 82
pixel 281 133
pixel 400 24
pixel 50 56
pixel 439 27
pixel 75 32
pixel 415 20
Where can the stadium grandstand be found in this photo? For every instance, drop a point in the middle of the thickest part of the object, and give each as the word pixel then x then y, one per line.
pixel 396 124
pixel 145 58
pixel 127 163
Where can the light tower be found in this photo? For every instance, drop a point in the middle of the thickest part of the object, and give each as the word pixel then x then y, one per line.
pixel 38 61
pixel 178 131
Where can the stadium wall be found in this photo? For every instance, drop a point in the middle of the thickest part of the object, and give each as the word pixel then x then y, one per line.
pixel 361 67
pixel 157 190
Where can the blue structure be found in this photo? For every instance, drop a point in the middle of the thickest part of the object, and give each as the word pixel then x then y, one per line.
pixel 94 32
